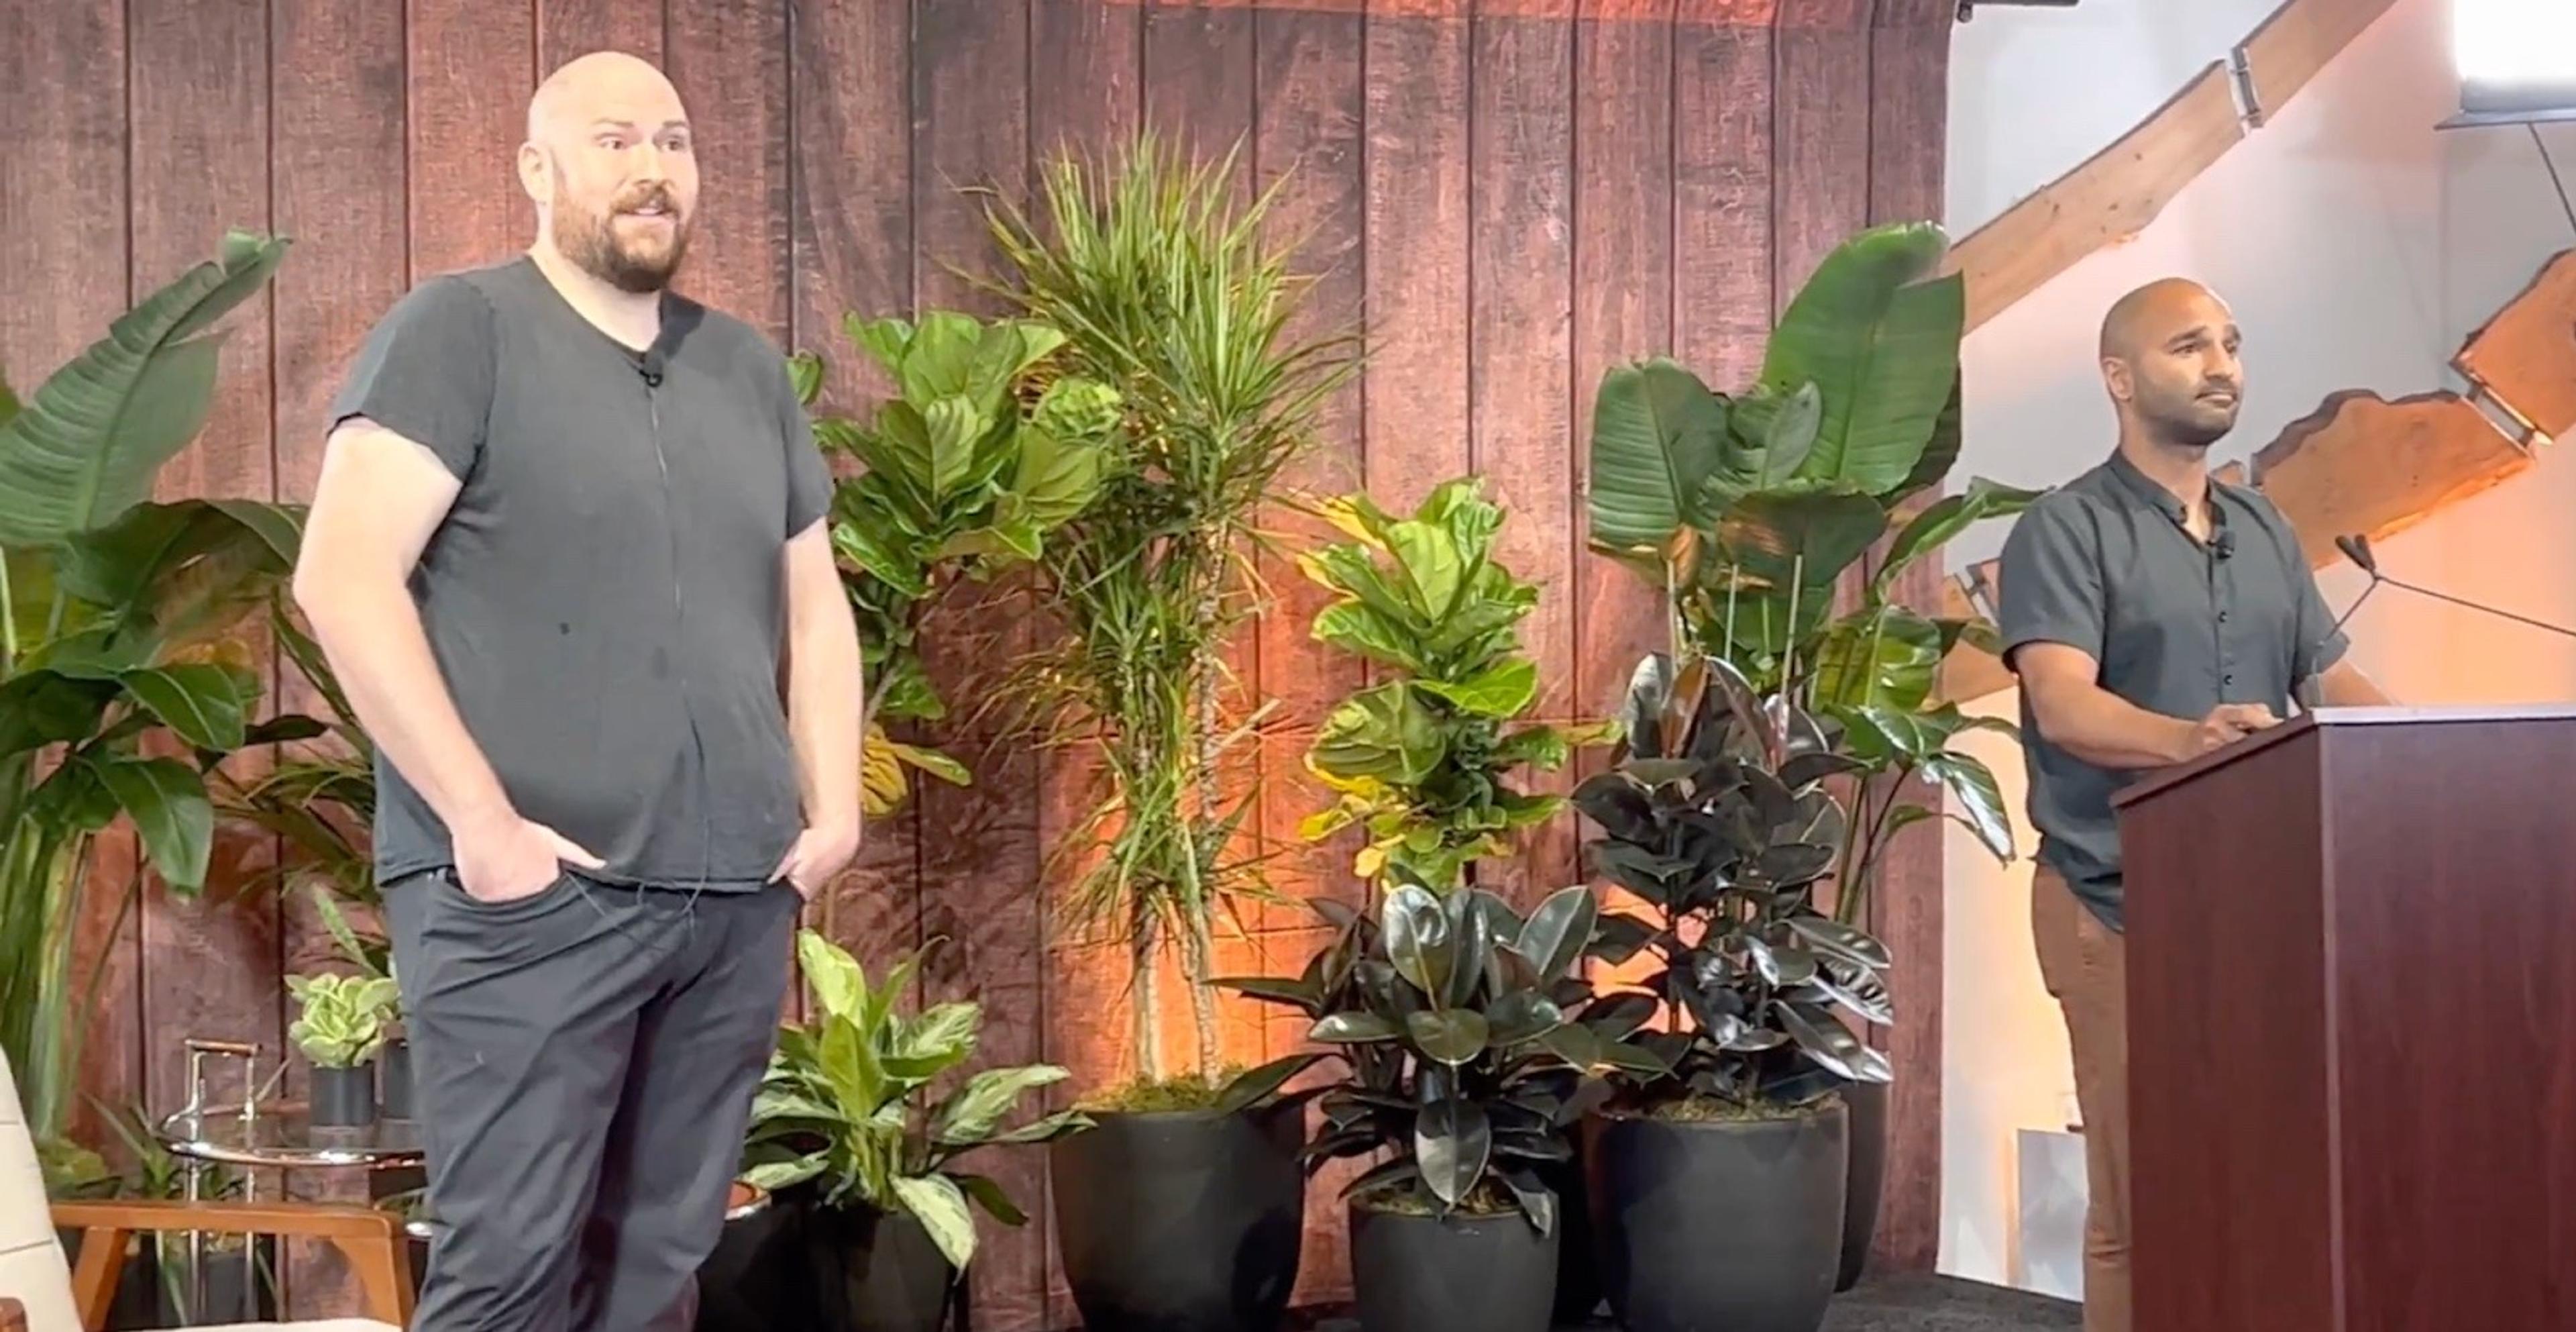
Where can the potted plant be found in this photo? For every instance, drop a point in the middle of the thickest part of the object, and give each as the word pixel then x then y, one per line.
pixel 844 1116
pixel 1175 1211
pixel 1749 513
pixel 340 1031
pixel 1720 1183
pixel 978 455
pixel 1463 1071
pixel 117 689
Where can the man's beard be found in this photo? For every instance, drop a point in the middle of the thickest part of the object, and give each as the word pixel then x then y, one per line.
pixel 589 239
pixel 2189 425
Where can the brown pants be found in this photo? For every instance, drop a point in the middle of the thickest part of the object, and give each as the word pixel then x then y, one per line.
pixel 2084 964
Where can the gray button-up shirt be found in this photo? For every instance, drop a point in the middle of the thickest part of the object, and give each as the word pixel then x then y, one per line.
pixel 2105 564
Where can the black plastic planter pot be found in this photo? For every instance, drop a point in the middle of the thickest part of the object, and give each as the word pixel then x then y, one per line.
pixel 344 1097
pixel 1182 1222
pixel 1868 1102
pixel 1578 1272
pixel 393 1081
pixel 1731 1226
pixel 760 1278
pixel 1439 1274
pixel 875 1272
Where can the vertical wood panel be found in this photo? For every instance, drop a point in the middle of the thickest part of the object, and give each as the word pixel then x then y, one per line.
pixel 729 60
pixel 337 72
pixel 1086 80
pixel 63 208
pixel 1623 251
pixel 471 73
pixel 979 845
pixel 200 165
pixel 1820 190
pixel 569 28
pixel 1909 103
pixel 851 237
pixel 1520 368
pixel 1722 129
pixel 1416 387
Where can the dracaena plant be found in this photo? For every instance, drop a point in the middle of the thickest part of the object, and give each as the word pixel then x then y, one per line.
pixel 343 1021
pixel 1748 512
pixel 847 1103
pixel 1424 759
pixel 120 686
pixel 979 455
pixel 1718 818
pixel 1461 1066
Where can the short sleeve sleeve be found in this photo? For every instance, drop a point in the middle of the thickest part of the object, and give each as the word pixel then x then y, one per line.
pixel 425 372
pixel 809 478
pixel 2321 641
pixel 2052 583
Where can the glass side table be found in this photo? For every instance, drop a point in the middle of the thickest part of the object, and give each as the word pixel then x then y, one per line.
pixel 253 1134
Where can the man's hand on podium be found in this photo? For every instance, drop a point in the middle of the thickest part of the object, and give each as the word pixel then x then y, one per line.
pixel 2225 725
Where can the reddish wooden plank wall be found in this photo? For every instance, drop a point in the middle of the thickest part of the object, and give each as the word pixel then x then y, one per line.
pixel 1513 194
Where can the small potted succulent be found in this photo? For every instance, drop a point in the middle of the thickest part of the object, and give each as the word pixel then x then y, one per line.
pixel 1464 1072
pixel 341 1030
pixel 1719 1182
pixel 845 1119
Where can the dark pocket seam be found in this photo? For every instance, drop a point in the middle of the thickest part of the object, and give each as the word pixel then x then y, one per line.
pixel 517 908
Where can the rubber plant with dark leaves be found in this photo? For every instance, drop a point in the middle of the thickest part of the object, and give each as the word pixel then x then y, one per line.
pixel 1748 512
pixel 1423 759
pixel 982 450
pixel 846 1104
pixel 1461 1065
pixel 1717 817
pixel 121 682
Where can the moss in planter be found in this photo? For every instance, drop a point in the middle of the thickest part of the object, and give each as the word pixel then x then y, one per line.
pixel 1175 1095
pixel 1485 1201
pixel 1713 1110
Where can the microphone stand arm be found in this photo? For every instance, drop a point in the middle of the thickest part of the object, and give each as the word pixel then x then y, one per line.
pixel 2560 630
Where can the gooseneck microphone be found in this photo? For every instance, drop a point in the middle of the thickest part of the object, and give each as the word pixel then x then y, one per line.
pixel 2357 549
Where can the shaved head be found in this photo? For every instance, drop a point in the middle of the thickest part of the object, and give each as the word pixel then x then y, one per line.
pixel 2169 360
pixel 608 160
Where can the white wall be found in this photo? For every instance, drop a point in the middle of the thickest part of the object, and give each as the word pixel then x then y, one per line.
pixel 2358 247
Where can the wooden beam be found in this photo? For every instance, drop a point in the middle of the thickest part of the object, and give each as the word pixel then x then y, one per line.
pixel 2363 465
pixel 2296 42
pixel 2526 355
pixel 2108 199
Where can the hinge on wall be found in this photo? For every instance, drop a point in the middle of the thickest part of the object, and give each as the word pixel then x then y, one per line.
pixel 2249 104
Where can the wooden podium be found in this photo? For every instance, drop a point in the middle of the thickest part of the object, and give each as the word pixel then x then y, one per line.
pixel 2352 1027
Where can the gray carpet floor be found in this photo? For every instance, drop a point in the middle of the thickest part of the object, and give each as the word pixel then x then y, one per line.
pixel 1910 1304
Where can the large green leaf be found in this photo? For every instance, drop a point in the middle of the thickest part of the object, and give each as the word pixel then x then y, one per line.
pixel 1453 1139
pixel 1056 479
pixel 167 801
pixel 972 1113
pixel 1500 690
pixel 839 982
pixel 205 704
pixel 1658 435
pixel 1452 1036
pixel 1981 800
pixel 1383 733
pixel 43 707
pixel 89 443
pixel 1878 335
pixel 1418 940
pixel 1822 1037
pixel 1364 630
pixel 1801 534
pixel 1887 660
pixel 1948 517
pixel 1433 567
pixel 940 1206
pixel 1555 935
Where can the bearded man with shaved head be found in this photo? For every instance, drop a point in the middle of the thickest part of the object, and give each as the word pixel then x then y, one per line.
pixel 568 557
pixel 2152 614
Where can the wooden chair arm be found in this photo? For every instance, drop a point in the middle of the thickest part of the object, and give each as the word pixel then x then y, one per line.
pixel 314 1220
pixel 373 1240
pixel 13 1315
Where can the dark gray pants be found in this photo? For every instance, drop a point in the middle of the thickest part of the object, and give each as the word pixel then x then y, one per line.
pixel 584 1061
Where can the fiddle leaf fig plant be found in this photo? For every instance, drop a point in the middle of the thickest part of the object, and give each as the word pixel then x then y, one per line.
pixel 979 455
pixel 846 1103
pixel 1748 512
pixel 1462 1068
pixel 344 1017
pixel 1423 759
pixel 1718 819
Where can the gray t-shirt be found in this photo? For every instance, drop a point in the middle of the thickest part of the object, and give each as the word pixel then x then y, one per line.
pixel 2105 564
pixel 606 599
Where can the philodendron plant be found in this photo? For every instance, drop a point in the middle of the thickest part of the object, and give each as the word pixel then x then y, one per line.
pixel 1462 1068
pixel 1423 758
pixel 846 1103
pixel 979 455
pixel 1748 512
pixel 1717 817
pixel 344 1017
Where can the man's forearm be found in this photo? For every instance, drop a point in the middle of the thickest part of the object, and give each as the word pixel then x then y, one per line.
pixel 2108 731
pixel 826 687
pixel 372 635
